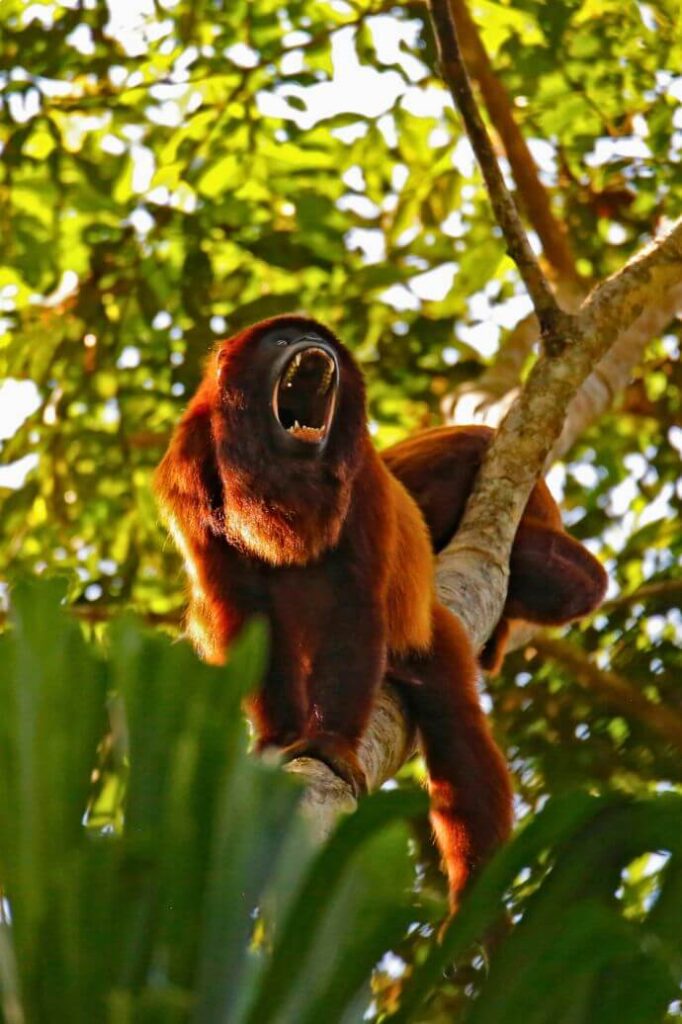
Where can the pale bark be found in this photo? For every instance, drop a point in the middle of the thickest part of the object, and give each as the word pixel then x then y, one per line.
pixel 477 558
pixel 613 371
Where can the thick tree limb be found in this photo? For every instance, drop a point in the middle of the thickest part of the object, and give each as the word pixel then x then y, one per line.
pixel 611 374
pixel 386 745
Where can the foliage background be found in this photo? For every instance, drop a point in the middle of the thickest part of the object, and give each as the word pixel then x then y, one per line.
pixel 174 171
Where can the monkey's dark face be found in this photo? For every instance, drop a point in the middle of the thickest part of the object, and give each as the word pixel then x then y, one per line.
pixel 305 386
pixel 290 385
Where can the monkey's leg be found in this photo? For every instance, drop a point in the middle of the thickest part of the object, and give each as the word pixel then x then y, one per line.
pixel 345 676
pixel 279 709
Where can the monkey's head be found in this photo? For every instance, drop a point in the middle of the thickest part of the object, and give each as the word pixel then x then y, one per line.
pixel 288 387
pixel 268 448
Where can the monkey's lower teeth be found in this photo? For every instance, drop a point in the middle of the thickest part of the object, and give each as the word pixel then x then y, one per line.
pixel 304 433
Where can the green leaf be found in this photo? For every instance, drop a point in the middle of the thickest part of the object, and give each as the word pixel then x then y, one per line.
pixel 300 931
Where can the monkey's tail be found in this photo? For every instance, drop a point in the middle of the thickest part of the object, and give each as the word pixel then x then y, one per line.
pixel 469 784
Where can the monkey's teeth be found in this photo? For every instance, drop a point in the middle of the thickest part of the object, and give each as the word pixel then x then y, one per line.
pixel 315 372
pixel 326 380
pixel 304 433
pixel 292 369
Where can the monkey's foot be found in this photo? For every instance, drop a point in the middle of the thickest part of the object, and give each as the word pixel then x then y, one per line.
pixel 336 752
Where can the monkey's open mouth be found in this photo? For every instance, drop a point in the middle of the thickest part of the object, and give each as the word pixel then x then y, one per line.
pixel 305 394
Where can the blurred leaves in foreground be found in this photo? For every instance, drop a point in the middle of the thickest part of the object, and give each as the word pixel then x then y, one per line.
pixel 169 919
pixel 210 904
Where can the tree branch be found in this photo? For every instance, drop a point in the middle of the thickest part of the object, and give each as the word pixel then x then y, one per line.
pixel 533 194
pixel 455 76
pixel 665 592
pixel 614 689
pixel 473 570
pixel 655 301
pixel 488 399
pixel 385 746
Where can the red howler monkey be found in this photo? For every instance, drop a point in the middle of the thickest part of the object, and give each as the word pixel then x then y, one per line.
pixel 280 505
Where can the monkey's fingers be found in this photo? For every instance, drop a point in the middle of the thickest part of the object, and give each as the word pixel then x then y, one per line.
pixel 337 753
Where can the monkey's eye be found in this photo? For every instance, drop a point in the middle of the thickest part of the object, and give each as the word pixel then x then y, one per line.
pixel 281 341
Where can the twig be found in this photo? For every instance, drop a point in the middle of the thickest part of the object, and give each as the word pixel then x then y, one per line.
pixel 530 190
pixel 614 689
pixel 663 591
pixel 518 246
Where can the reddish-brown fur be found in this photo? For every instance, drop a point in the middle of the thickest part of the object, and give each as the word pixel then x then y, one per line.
pixel 334 551
pixel 553 578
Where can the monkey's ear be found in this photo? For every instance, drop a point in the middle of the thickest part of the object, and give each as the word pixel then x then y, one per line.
pixel 187 482
pixel 553 578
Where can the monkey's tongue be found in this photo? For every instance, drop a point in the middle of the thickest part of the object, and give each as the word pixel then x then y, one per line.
pixel 314 434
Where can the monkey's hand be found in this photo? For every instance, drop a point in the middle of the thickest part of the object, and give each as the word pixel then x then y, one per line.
pixel 336 752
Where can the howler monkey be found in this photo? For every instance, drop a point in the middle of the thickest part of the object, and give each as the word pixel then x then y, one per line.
pixel 280 505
